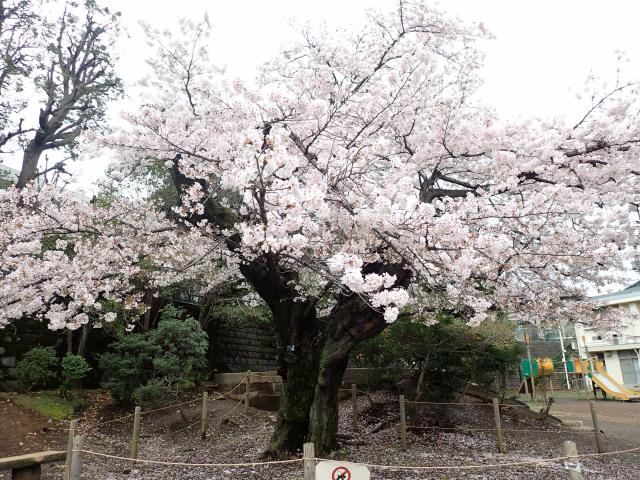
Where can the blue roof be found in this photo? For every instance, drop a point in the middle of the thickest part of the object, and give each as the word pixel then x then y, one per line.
pixel 633 288
pixel 631 291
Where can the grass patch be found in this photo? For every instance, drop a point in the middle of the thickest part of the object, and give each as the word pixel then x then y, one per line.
pixel 48 404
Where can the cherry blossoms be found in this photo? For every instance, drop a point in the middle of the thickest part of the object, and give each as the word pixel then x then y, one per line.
pixel 62 257
pixel 368 147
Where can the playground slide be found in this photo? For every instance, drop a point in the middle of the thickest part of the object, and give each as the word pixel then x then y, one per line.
pixel 629 391
pixel 613 388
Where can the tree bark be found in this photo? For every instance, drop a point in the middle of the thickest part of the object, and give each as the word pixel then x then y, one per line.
pixel 69 341
pixel 323 427
pixel 82 346
pixel 297 333
pixel 351 321
pixel 30 160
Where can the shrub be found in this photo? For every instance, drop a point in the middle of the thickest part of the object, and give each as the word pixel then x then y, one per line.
pixel 169 359
pixel 181 362
pixel 74 369
pixel 129 366
pixel 37 368
pixel 149 394
pixel 443 357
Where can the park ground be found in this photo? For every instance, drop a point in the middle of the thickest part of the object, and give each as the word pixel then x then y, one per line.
pixel 450 436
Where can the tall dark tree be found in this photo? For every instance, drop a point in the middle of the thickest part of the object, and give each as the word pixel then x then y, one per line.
pixel 66 65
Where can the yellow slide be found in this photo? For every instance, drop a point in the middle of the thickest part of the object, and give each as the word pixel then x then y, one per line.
pixel 607 383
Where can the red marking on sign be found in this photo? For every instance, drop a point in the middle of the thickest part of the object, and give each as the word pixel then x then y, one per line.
pixel 341 473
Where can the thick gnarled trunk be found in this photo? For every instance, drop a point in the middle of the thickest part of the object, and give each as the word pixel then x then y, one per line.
pixel 297 396
pixel 323 426
pixel 297 332
pixel 351 321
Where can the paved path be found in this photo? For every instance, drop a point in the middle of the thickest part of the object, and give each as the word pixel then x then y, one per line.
pixel 619 420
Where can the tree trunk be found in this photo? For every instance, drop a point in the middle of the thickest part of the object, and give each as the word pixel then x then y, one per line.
pixel 297 332
pixel 82 346
pixel 30 160
pixel 323 426
pixel 69 341
pixel 351 321
pixel 293 414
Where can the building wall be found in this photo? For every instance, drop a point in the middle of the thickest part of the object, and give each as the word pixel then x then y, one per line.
pixel 631 329
pixel 605 346
pixel 612 363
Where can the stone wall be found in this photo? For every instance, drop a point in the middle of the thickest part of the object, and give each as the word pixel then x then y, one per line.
pixel 17 339
pixel 236 347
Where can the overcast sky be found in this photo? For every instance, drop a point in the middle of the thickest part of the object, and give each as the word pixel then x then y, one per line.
pixel 541 49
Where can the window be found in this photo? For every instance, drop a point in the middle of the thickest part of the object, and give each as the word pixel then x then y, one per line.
pixel 630 367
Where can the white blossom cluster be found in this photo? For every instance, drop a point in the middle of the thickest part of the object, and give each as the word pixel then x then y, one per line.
pixel 61 257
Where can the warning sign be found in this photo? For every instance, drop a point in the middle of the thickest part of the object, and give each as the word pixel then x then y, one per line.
pixel 331 470
pixel 341 473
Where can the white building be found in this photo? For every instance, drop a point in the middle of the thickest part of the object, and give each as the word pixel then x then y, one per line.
pixel 619 350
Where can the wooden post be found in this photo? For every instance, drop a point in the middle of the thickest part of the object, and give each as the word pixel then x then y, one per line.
pixel 67 463
pixel 551 384
pixel 309 455
pixel 573 463
pixel 354 408
pixel 596 427
pixel 247 391
pixel 76 461
pixel 403 425
pixel 499 435
pixel 205 413
pixel 135 437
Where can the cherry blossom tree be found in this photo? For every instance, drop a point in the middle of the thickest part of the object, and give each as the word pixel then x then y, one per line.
pixel 358 180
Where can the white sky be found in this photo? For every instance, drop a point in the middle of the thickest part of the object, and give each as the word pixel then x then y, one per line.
pixel 541 48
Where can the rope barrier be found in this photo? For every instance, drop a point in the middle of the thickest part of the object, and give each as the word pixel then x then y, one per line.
pixel 232 410
pixel 464 429
pixel 371 465
pixel 509 405
pixel 160 435
pixel 185 464
pixel 87 428
pixel 357 391
pixel 93 425
pixel 483 466
pixel 242 382
pixel 147 412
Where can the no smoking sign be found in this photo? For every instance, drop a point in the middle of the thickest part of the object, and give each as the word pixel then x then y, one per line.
pixel 330 470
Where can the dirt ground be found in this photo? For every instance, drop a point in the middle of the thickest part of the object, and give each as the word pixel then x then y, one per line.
pixel 234 437
pixel 22 430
